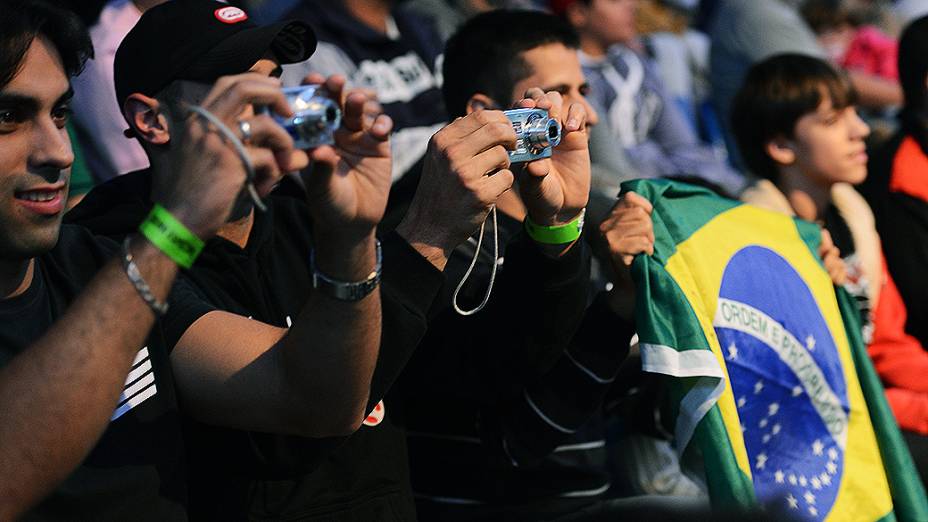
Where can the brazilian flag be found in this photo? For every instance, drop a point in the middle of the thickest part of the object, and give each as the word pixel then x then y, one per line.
pixel 773 383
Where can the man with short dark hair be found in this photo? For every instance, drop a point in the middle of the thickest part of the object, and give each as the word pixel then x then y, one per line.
pixel 485 408
pixel 69 339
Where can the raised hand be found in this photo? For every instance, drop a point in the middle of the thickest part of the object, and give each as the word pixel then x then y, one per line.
pixel 628 231
pixel 556 189
pixel 466 170
pixel 347 184
pixel 831 258
pixel 208 174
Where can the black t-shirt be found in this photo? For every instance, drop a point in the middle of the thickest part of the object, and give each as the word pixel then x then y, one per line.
pixel 238 474
pixel 136 470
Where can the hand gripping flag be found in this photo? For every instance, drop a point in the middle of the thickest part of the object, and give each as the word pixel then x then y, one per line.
pixel 773 383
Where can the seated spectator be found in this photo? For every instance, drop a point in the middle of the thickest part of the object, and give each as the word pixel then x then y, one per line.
pixel 485 413
pixel 681 55
pixel 631 100
pixel 259 266
pixel 797 126
pixel 893 188
pixel 96 112
pixel 310 379
pixel 744 33
pixel 898 195
pixel 849 45
pixel 384 47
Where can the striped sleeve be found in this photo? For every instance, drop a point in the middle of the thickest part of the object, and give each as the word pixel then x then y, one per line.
pixel 554 406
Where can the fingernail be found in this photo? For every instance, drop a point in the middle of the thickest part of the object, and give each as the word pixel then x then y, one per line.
pixel 573 123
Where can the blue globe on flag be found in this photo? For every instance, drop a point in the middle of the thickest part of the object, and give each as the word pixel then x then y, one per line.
pixel 787 381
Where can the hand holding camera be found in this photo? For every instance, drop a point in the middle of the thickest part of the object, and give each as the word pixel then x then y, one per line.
pixel 466 170
pixel 212 171
pixel 555 185
pixel 348 180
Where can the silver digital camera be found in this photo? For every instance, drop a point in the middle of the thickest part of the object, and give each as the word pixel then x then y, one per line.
pixel 536 134
pixel 315 116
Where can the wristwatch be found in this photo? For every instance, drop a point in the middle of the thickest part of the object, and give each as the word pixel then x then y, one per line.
pixel 345 290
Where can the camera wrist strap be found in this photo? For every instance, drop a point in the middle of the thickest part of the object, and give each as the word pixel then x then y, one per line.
pixel 473 263
pixel 239 147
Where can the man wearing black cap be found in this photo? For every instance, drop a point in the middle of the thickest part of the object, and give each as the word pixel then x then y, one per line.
pixel 260 265
pixel 81 386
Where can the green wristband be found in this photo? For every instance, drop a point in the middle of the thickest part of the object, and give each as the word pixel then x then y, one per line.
pixel 171 236
pixel 556 235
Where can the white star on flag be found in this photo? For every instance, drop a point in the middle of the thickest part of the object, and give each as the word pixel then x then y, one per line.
pixel 762 423
pixel 773 409
pixel 831 467
pixel 741 402
pixel 816 483
pixel 813 511
pixel 766 438
pixel 803 481
pixel 826 479
pixel 758 386
pixel 732 352
pixel 817 447
pixel 810 343
pixel 761 461
pixel 810 498
pixel 778 476
pixel 792 479
pixel 793 502
pixel 832 454
pixel 797 391
pixel 776 428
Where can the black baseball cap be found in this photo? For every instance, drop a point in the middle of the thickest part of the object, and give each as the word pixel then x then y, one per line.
pixel 200 40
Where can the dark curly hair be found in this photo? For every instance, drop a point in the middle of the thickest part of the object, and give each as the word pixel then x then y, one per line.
pixel 23 20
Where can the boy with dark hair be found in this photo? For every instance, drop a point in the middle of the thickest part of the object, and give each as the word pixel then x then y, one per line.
pixel 797 126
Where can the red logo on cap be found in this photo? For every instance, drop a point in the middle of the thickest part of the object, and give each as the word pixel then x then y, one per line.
pixel 230 15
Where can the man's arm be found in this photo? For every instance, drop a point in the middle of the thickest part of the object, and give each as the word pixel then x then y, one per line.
pixel 466 169
pixel 57 395
pixel 314 378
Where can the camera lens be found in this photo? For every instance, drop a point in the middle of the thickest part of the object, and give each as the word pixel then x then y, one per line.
pixel 331 114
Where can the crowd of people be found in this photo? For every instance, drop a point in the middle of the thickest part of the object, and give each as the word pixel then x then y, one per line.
pixel 200 320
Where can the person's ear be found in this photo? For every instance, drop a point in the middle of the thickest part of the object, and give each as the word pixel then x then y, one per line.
pixel 781 151
pixel 147 119
pixel 478 102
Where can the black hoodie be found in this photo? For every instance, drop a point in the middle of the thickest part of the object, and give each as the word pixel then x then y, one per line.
pixel 236 475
